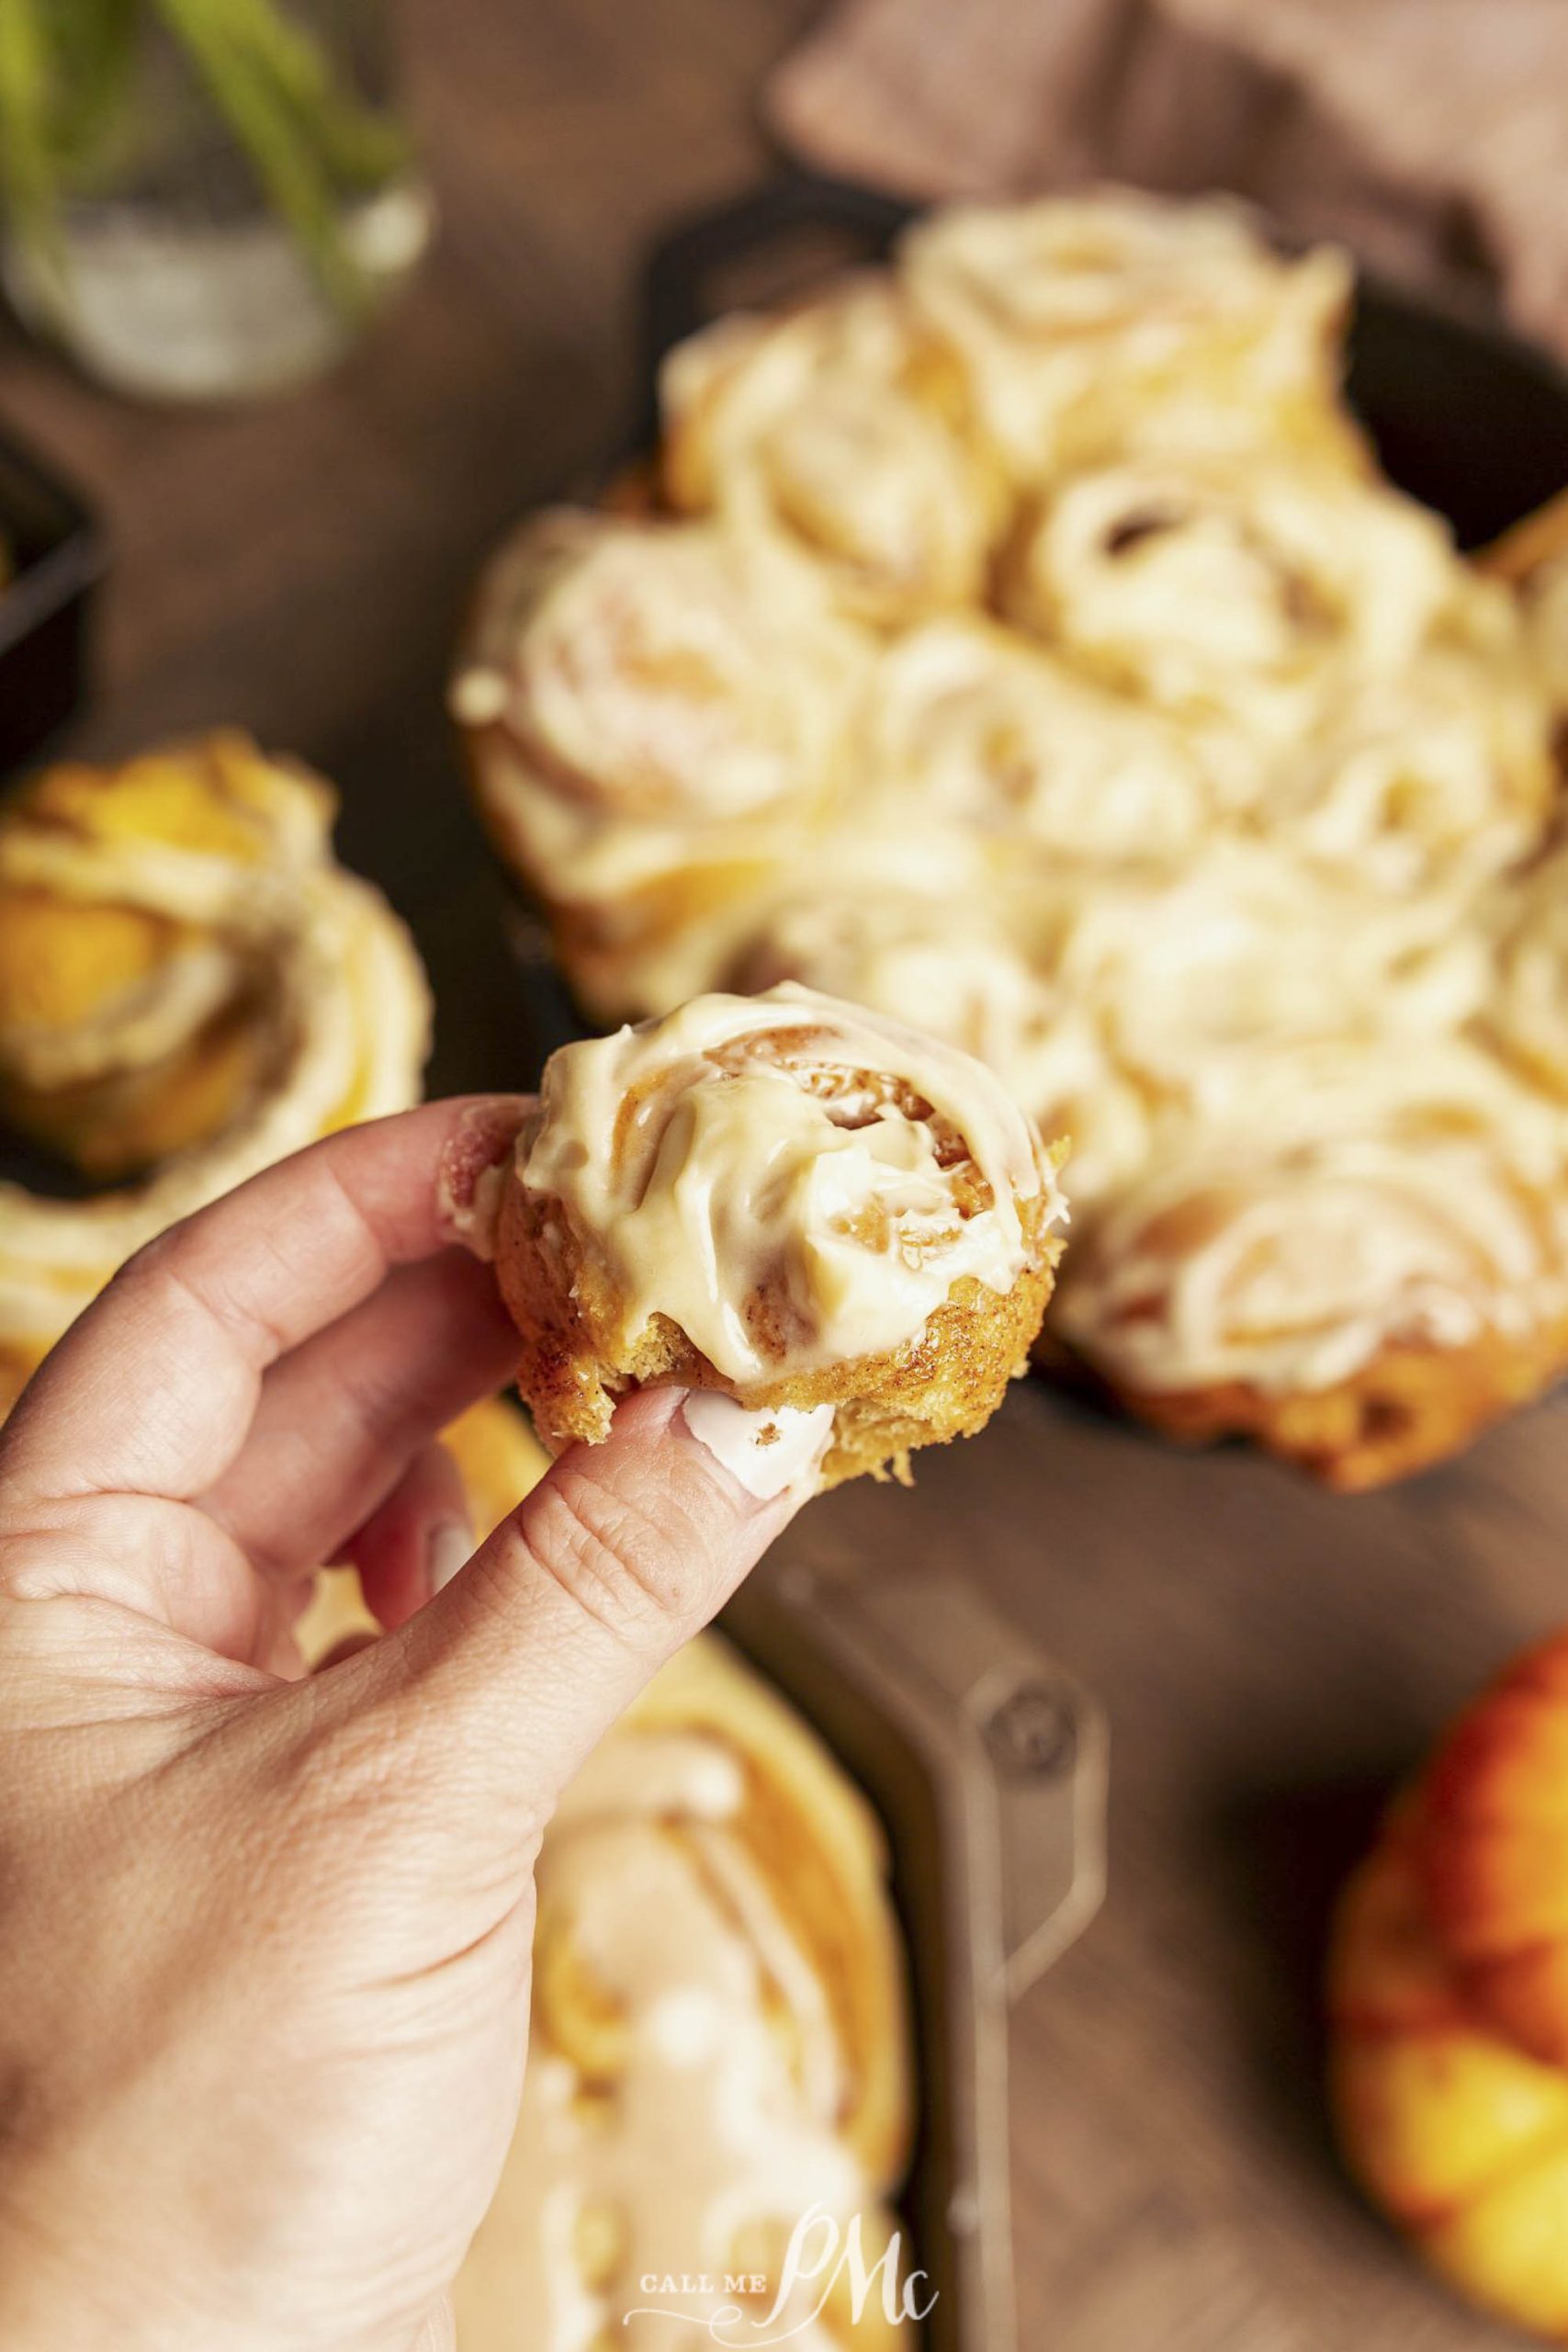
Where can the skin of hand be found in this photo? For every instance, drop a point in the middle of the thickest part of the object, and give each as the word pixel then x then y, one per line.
pixel 264 1941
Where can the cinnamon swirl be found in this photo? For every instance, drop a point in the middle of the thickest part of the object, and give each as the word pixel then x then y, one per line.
pixel 1078 316
pixel 1361 1265
pixel 841 430
pixel 710 1863
pixel 808 1207
pixel 191 988
pixel 652 711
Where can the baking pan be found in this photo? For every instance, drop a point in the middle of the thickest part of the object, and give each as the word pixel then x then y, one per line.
pixel 988 1766
pixel 57 555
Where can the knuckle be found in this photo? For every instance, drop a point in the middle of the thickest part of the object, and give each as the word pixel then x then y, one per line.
pixel 629 1571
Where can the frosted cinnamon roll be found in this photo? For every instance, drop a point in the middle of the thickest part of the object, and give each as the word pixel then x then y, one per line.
pixel 957 967
pixel 1077 315
pixel 972 725
pixel 1438 774
pixel 1361 1267
pixel 191 988
pixel 1243 590
pixel 843 430
pixel 1196 974
pixel 718 2040
pixel 653 710
pixel 815 1210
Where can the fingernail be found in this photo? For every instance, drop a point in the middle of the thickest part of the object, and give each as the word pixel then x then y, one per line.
pixel 447 1548
pixel 473 1169
pixel 771 1452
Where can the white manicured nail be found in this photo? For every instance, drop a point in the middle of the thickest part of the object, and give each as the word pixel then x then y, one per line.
pixel 778 1449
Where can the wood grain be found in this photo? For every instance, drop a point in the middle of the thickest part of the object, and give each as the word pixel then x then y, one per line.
pixel 1272 1658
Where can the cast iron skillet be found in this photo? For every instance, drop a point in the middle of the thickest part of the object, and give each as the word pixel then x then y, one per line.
pixel 995 1829
pixel 1465 416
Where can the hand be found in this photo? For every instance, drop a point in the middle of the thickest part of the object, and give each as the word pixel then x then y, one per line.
pixel 264 1941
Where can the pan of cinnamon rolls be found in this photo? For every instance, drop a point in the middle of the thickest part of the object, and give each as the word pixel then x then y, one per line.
pixel 1017 637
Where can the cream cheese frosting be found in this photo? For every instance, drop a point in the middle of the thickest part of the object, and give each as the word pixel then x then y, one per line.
pixel 1071 311
pixel 1245 586
pixel 836 430
pixel 1354 1197
pixel 326 977
pixel 1224 797
pixel 790 1146
pixel 688 2089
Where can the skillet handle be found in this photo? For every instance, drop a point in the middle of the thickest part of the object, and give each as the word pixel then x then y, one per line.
pixel 1041 1742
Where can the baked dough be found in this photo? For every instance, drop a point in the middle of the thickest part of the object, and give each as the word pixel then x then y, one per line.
pixel 842 431
pixel 190 988
pixel 787 1199
pixel 652 712
pixel 1079 317
pixel 1225 782
pixel 1361 1262
pixel 719 2039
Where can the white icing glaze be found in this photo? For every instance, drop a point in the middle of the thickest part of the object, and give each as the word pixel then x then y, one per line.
pixel 1528 1010
pixel 974 726
pixel 1076 311
pixel 818 428
pixel 1351 1196
pixel 1245 587
pixel 334 986
pixel 746 1167
pixel 719 2125
pixel 643 683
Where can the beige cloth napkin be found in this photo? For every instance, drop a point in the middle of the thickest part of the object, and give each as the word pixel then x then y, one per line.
pixel 1431 134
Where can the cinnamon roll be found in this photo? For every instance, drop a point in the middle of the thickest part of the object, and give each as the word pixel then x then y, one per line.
pixel 813 1210
pixel 1361 1265
pixel 710 1863
pixel 1437 775
pixel 1244 591
pixel 972 726
pixel 1078 317
pixel 653 710
pixel 966 973
pixel 1200 769
pixel 1198 978
pixel 842 429
pixel 191 988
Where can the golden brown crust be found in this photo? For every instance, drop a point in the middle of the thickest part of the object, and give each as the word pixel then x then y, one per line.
pixel 1412 1405
pixel 1541 537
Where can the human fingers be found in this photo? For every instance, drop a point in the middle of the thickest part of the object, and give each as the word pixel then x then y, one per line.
pixel 341 1417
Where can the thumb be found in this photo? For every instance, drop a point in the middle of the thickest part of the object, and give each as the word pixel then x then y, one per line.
pixel 621 1554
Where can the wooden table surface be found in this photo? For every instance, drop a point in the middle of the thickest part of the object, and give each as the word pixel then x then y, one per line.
pixel 1271 1659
